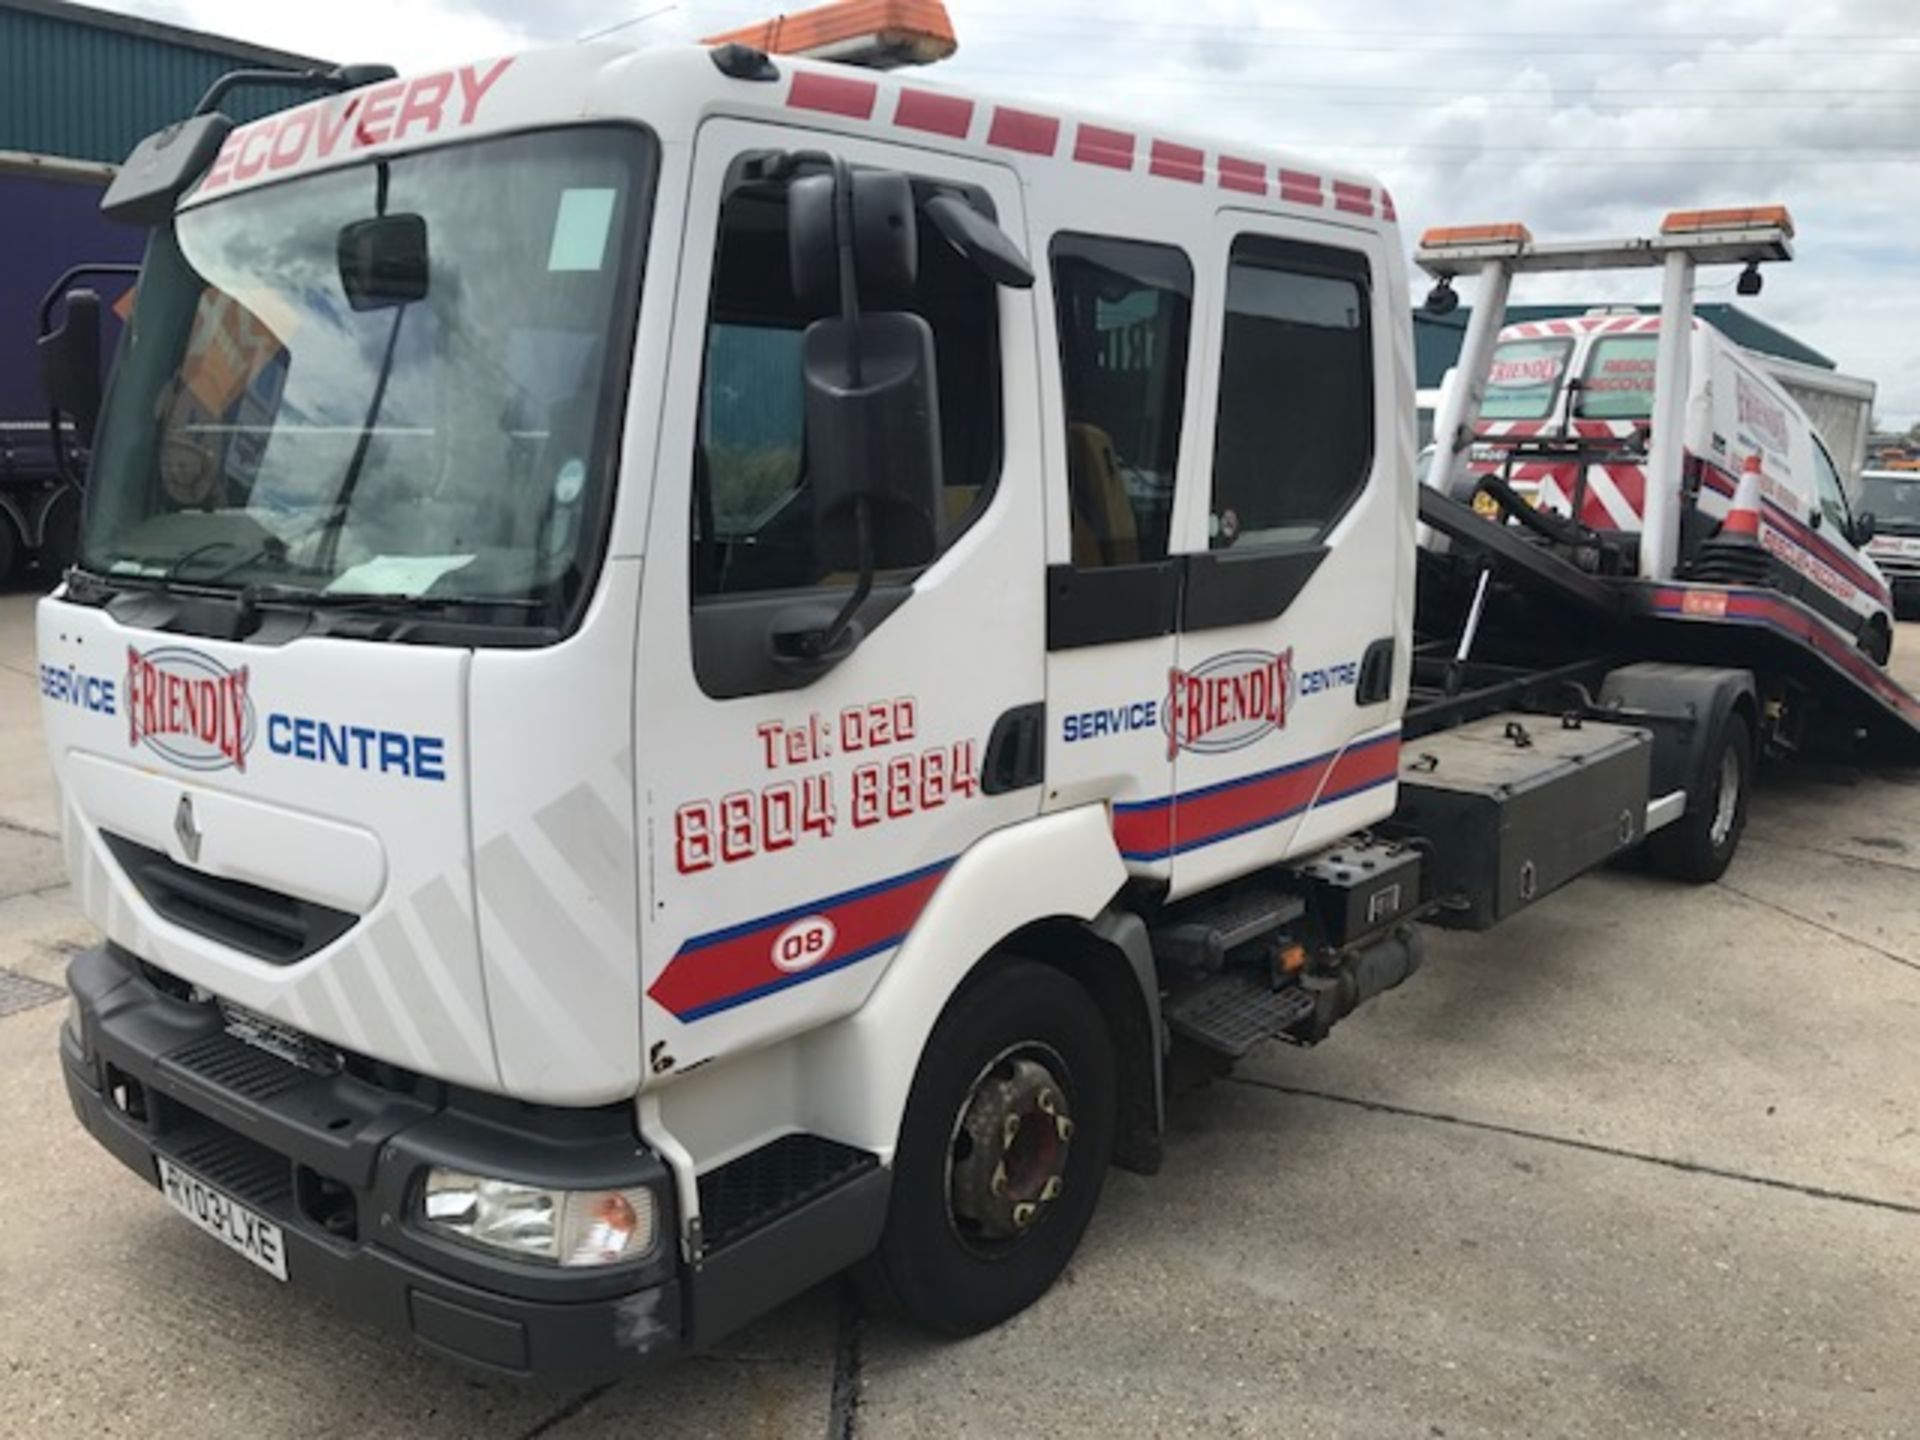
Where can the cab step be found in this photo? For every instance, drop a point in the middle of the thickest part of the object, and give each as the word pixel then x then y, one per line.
pixel 1234 1011
pixel 1201 934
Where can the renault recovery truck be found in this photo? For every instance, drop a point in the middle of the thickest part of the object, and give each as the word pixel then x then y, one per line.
pixel 690 668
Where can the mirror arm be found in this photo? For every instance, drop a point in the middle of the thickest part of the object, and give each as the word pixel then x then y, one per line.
pixel 820 643
pixel 849 279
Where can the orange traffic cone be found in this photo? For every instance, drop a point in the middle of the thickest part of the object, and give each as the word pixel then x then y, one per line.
pixel 1735 555
pixel 1743 516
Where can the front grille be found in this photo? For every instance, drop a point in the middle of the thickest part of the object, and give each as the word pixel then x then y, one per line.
pixel 259 922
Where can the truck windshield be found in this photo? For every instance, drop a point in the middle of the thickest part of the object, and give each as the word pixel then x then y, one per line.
pixel 300 406
pixel 1525 379
pixel 1893 500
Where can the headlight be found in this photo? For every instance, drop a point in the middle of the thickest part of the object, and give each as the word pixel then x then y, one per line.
pixel 568 1227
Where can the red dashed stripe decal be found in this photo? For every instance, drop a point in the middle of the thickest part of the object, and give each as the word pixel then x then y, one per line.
pixel 1177 162
pixel 833 95
pixel 1023 130
pixel 936 114
pixel 725 968
pixel 1097 145
pixel 1155 829
pixel 1247 176
pixel 1354 199
pixel 1299 188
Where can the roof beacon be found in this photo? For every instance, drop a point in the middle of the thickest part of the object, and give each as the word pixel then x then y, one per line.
pixel 875 34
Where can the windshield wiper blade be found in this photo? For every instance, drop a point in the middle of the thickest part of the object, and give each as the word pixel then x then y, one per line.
pixel 276 594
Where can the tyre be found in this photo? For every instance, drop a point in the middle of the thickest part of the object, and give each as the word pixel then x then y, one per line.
pixel 59 535
pixel 9 546
pixel 1700 845
pixel 1005 1144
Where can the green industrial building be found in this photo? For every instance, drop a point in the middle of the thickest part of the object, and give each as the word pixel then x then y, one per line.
pixel 82 84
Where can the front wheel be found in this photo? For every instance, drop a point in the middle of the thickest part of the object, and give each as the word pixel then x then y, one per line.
pixel 1876 641
pixel 1005 1144
pixel 1699 846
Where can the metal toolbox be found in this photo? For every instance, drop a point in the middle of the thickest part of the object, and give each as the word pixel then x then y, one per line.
pixel 1514 806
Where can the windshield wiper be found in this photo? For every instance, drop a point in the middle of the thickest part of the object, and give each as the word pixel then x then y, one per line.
pixel 276 594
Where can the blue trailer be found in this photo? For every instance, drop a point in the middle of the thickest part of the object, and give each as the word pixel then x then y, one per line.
pixel 54 223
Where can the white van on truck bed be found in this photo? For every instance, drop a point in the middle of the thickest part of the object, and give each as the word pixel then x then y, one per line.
pixel 1566 421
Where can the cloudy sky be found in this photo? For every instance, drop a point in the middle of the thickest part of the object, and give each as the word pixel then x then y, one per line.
pixel 1585 118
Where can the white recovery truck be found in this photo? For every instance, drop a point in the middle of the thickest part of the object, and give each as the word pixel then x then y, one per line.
pixel 692 668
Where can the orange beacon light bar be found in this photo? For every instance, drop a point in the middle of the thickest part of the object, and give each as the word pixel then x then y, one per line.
pixel 876 34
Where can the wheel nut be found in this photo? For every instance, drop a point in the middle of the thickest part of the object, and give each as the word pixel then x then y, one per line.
pixel 1023 1213
pixel 1045 1102
pixel 1051 1189
pixel 1063 1127
pixel 1010 1129
pixel 998 1184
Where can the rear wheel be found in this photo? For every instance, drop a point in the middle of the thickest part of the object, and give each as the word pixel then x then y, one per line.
pixel 1700 845
pixel 1005 1144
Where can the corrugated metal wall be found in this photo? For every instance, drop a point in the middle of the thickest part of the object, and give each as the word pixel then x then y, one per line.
pixel 92 91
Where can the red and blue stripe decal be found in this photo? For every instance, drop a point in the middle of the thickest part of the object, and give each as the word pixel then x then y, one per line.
pixel 1776 612
pixel 724 968
pixel 1799 533
pixel 1156 829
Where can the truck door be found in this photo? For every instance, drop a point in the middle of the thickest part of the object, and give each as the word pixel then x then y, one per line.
pixel 1122 315
pixel 1279 710
pixel 801 812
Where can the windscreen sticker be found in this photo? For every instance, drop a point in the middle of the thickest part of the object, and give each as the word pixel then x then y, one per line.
pixel 580 228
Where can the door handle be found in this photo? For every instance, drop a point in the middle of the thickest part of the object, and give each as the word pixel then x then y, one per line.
pixel 1016 750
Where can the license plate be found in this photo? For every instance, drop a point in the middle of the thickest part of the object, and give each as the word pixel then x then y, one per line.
pixel 224 1218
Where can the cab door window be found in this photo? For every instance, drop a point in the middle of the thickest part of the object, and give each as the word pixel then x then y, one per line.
pixel 1832 498
pixel 753 523
pixel 1293 436
pixel 1124 309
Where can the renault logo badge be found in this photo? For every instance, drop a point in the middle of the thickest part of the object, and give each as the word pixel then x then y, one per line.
pixel 185 830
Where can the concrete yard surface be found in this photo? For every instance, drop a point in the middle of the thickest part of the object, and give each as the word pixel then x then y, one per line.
pixel 1643 1162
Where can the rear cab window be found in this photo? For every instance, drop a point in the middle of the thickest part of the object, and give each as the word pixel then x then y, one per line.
pixel 1525 379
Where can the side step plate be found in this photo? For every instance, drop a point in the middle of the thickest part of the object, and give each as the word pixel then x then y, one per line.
pixel 1235 1011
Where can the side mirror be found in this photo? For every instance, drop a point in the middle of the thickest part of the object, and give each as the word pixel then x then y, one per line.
pixel 70 363
pixel 162 168
pixel 1866 525
pixel 981 242
pixel 881 232
pixel 383 261
pixel 873 440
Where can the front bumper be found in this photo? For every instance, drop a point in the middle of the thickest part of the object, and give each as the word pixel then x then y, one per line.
pixel 336 1161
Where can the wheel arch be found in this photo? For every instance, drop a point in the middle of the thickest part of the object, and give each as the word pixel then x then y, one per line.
pixel 1042 890
pixel 1684 706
